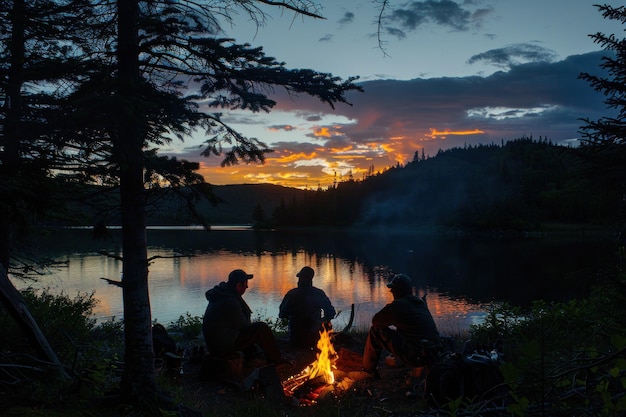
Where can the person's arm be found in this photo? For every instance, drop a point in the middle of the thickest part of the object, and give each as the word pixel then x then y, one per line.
pixel 285 309
pixel 238 317
pixel 329 310
pixel 385 317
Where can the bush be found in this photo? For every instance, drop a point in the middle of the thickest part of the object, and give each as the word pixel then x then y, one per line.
pixel 564 357
pixel 187 326
pixel 88 351
pixel 63 320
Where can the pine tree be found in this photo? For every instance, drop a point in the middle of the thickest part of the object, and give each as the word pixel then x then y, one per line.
pixel 604 140
pixel 166 59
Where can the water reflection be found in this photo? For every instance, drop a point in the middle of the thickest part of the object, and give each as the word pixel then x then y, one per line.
pixel 461 276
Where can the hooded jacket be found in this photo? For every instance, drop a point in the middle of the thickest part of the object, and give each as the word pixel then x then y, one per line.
pixel 226 313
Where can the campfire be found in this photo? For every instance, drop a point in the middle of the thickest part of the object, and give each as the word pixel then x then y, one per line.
pixel 318 377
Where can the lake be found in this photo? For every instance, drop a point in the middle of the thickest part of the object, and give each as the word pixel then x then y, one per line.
pixel 462 275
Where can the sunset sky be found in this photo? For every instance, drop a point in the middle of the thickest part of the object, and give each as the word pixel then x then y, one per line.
pixel 448 74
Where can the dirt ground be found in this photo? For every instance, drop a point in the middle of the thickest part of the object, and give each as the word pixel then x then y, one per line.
pixel 397 392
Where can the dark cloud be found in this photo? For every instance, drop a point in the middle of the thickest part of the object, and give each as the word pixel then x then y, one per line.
pixel 310 117
pixel 400 34
pixel 347 18
pixel 480 14
pixel 286 128
pixel 296 147
pixel 539 98
pixel 514 55
pixel 326 38
pixel 446 13
pixel 338 142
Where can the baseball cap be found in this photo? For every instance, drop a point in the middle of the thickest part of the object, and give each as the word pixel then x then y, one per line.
pixel 400 281
pixel 239 275
pixel 306 272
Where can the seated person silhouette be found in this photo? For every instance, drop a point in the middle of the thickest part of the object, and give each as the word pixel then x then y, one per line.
pixel 307 309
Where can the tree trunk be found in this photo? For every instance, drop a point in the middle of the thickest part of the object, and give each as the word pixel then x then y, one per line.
pixel 138 383
pixel 16 307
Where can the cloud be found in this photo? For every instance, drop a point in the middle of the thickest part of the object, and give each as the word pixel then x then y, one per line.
pixel 326 38
pixel 242 118
pixel 398 33
pixel 286 128
pixel 445 13
pixel 512 55
pixel 325 132
pixel 310 117
pixel 393 119
pixel 540 98
pixel 347 18
pixel 480 14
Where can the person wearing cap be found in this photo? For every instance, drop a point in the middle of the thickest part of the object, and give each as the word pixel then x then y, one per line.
pixel 414 328
pixel 227 326
pixel 307 310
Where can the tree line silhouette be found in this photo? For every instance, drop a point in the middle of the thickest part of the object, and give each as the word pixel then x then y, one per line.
pixel 518 185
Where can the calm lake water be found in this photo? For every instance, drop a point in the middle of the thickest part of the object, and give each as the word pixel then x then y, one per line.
pixel 462 276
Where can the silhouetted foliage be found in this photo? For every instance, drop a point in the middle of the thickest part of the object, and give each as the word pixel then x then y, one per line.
pixel 604 140
pixel 37 67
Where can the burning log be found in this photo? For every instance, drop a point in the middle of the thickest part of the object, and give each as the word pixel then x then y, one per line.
pixel 291 384
pixel 312 380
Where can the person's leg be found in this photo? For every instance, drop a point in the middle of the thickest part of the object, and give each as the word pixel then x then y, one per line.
pixel 373 348
pixel 262 335
pixel 379 339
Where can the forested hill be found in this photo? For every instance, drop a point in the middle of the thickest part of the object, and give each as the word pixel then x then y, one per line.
pixel 518 185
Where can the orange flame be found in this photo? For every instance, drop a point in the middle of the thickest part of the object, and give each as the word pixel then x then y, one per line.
pixel 326 354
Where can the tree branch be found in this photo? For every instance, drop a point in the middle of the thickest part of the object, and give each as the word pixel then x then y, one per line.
pixel 299 10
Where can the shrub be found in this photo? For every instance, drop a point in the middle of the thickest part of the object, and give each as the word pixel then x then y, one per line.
pixel 564 357
pixel 89 352
pixel 63 320
pixel 188 326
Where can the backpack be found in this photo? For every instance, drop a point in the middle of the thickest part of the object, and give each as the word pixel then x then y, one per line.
pixel 474 376
pixel 162 342
pixel 444 380
pixel 165 351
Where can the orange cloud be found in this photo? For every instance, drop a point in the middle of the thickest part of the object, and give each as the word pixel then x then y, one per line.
pixel 340 151
pixel 350 157
pixel 387 147
pixel 291 158
pixel 322 132
pixel 320 166
pixel 443 133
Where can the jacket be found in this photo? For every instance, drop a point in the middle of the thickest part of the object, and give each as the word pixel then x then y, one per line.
pixel 411 317
pixel 303 306
pixel 226 313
